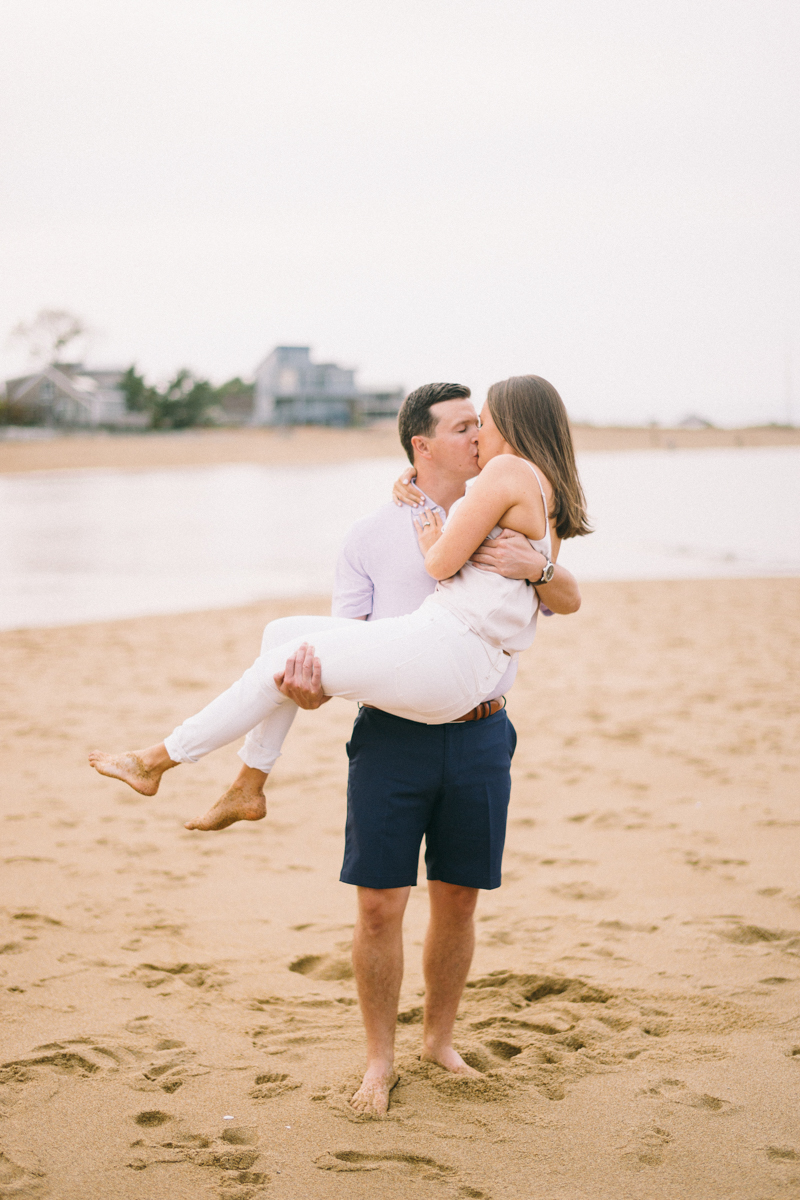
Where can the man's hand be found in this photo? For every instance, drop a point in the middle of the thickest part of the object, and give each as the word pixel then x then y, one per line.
pixel 301 679
pixel 511 555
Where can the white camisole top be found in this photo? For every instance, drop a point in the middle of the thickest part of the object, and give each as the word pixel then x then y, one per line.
pixel 501 611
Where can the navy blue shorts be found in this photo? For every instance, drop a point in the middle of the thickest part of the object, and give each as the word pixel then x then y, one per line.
pixel 448 783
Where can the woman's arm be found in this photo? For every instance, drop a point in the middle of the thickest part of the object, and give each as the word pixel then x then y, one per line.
pixel 512 556
pixel 503 483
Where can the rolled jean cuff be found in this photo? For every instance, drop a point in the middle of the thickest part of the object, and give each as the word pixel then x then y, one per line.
pixel 258 758
pixel 175 750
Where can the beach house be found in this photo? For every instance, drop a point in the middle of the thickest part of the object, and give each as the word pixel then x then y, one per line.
pixel 291 389
pixel 69 394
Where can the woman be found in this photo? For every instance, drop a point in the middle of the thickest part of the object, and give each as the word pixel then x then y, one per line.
pixel 432 665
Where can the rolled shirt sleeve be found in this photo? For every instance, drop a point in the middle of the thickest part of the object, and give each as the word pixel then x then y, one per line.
pixel 352 588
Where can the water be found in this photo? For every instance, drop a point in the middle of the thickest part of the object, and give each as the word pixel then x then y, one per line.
pixel 96 545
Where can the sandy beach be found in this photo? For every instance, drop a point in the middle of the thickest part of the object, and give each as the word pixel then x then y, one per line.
pixel 299 446
pixel 177 1013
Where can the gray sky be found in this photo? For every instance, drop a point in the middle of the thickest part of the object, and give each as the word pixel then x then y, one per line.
pixel 604 192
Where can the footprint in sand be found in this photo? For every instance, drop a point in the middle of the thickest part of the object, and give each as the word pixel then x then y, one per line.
pixel 581 890
pixel 503 1049
pixel 233 1153
pixel 677 1092
pixel 782 1154
pixel 273 1084
pixel 169 1066
pixel 528 989
pixel 402 1162
pixel 551 1031
pixel 411 1016
pixel 26 1183
pixel 152 1118
pixel 646 1147
pixel 32 918
pixel 79 1058
pixel 295 1024
pixel 751 935
pixel 162 1065
pixel 193 975
pixel 323 966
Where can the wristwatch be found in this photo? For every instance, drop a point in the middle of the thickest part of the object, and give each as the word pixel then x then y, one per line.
pixel 548 572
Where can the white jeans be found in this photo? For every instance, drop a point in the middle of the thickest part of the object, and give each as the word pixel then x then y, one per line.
pixel 427 666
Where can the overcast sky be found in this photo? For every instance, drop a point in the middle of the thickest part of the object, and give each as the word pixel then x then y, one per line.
pixel 604 192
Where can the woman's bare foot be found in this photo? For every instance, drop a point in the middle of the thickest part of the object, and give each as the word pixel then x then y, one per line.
pixel 140 769
pixel 372 1098
pixel 451 1060
pixel 243 801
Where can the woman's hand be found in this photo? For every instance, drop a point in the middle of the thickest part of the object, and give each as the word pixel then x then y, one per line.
pixel 429 528
pixel 404 491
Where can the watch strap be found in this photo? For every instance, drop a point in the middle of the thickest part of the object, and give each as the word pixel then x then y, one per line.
pixel 547 572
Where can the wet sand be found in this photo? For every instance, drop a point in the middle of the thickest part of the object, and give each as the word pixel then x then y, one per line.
pixel 634 1002
pixel 301 446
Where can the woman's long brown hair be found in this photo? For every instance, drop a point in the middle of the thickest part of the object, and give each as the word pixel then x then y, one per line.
pixel 530 416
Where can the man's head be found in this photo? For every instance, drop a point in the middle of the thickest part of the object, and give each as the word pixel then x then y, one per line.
pixel 438 426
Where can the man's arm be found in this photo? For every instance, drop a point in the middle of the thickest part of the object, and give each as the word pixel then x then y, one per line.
pixel 352 585
pixel 512 555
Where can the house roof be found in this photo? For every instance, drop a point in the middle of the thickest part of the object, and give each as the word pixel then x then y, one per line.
pixel 62 382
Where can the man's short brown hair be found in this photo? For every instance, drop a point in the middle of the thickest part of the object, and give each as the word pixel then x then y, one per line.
pixel 415 419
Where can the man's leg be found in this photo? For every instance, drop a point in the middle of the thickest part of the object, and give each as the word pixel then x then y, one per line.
pixel 449 945
pixel 464 845
pixel 378 966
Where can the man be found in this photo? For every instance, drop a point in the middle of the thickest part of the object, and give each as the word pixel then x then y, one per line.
pixel 449 783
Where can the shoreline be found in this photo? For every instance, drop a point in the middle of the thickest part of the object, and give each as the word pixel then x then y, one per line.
pixel 310 445
pixel 316 602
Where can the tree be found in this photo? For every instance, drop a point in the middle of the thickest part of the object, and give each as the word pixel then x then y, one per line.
pixel 235 398
pixel 138 396
pixel 184 402
pixel 49 333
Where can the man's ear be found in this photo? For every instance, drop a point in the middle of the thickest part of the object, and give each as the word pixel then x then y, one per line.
pixel 420 448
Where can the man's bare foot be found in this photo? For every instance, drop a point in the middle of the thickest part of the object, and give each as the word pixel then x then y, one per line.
pixel 140 769
pixel 451 1060
pixel 238 804
pixel 372 1098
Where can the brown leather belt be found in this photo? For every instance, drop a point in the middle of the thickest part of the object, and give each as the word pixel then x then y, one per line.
pixel 485 709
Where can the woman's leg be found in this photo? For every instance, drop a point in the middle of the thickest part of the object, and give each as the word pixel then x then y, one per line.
pixel 427 666
pixel 254 702
pixel 142 769
pixel 243 801
pixel 262 746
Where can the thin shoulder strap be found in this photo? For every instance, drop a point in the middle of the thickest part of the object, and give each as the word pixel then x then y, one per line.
pixel 544 499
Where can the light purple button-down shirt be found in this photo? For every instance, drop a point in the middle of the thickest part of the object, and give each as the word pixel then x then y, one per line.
pixel 381 572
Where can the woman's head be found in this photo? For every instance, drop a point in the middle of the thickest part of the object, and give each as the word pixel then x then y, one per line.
pixel 529 417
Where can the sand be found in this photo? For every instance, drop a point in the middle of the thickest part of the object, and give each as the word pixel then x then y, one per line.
pixel 302 446
pixel 177 1012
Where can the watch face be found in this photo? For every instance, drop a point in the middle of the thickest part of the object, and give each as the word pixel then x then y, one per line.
pixel 549 572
